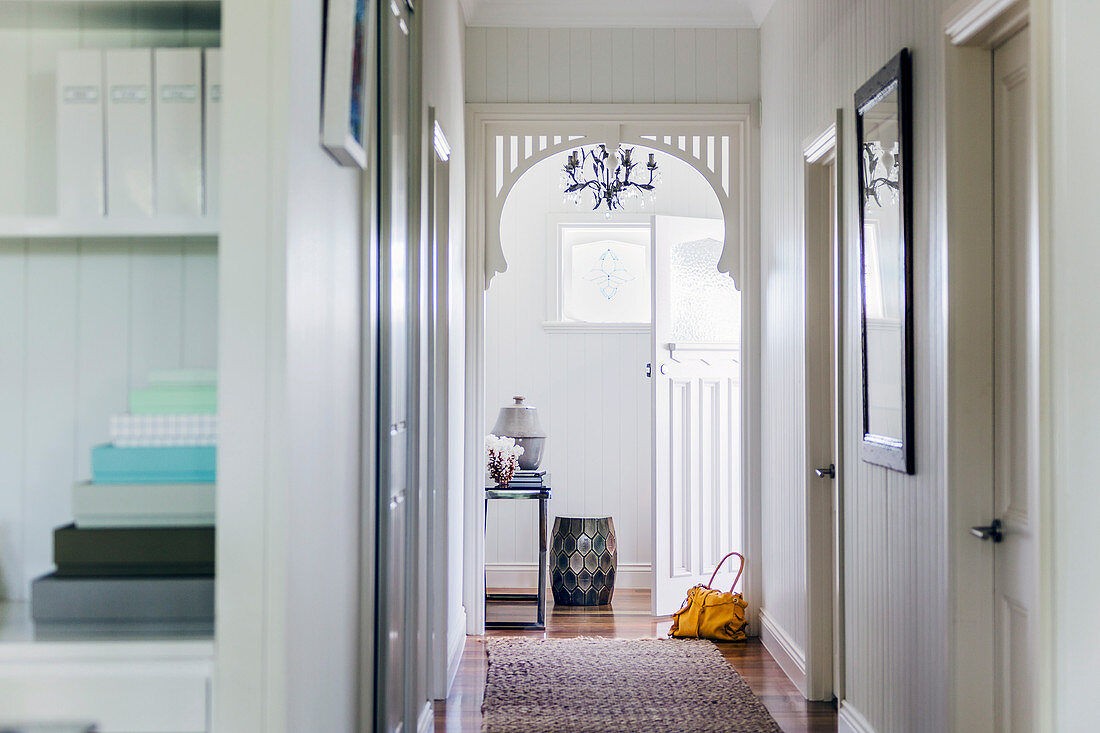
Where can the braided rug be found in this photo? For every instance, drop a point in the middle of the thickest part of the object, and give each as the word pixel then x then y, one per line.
pixel 607 685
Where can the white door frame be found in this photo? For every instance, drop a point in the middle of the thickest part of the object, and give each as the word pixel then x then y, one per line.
pixel 487 187
pixel 824 412
pixel 973 29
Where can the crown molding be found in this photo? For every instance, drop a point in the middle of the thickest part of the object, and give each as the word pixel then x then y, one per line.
pixel 616 13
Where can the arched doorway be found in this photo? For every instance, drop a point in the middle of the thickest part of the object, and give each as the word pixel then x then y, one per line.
pixel 508 141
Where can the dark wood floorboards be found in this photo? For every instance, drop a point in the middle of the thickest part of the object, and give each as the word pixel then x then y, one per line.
pixel 628 617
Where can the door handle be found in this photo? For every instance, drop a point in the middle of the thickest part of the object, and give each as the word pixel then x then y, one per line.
pixel 992 532
pixel 826 472
pixel 649 370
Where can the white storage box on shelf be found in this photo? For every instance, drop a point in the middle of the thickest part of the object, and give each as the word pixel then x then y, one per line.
pixel 129 81
pixel 212 128
pixel 80 133
pixel 177 115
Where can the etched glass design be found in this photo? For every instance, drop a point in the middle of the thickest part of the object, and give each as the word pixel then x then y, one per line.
pixel 606 281
pixel 705 305
pixel 609 274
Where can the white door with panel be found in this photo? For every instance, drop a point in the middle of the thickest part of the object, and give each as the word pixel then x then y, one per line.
pixel 697 409
pixel 1015 369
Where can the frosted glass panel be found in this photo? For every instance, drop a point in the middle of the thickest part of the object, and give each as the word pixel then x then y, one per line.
pixel 705 304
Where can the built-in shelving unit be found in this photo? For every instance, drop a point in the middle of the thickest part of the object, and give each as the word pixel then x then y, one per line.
pixel 91 306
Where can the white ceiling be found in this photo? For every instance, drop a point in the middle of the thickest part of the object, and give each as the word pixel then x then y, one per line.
pixel 617 13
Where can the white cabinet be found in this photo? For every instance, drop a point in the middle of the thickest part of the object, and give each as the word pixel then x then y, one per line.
pixel 136 685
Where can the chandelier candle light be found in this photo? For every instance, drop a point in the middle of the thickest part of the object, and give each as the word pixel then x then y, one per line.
pixel 610 182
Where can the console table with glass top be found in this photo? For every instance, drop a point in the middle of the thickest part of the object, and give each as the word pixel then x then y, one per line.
pixel 542 494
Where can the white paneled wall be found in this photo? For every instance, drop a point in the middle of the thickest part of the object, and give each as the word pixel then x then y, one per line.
pixel 642 65
pixel 84 320
pixel 814 54
pixel 590 388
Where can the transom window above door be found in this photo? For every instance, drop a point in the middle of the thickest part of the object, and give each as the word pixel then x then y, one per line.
pixel 600 277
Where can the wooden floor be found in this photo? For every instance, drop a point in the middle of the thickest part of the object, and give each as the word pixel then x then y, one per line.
pixel 628 617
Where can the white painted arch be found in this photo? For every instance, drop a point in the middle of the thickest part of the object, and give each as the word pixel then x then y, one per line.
pixel 504 141
pixel 716 148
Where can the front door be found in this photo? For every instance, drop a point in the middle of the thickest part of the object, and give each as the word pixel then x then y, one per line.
pixel 1015 372
pixel 697 409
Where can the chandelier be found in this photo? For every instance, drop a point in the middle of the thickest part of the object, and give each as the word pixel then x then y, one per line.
pixel 610 183
pixel 880 173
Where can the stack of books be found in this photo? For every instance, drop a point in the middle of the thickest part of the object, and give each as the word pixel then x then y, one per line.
pixel 529 480
pixel 141 548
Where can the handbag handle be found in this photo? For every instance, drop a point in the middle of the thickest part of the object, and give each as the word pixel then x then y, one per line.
pixel 739 570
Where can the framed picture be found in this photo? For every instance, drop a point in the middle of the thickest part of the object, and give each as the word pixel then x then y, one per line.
pixel 884 145
pixel 348 80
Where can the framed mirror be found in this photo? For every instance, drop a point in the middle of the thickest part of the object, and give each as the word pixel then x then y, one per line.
pixel 884 145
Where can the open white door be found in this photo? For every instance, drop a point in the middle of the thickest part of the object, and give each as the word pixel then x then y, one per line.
pixel 697 409
pixel 1016 385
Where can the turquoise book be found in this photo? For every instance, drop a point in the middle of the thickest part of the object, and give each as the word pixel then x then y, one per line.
pixel 154 464
pixel 174 400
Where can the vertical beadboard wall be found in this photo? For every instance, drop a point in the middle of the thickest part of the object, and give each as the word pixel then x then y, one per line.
pixel 589 65
pixel 814 54
pixel 621 65
pixel 590 388
pixel 84 320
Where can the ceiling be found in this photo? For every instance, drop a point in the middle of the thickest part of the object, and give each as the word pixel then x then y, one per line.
pixel 617 13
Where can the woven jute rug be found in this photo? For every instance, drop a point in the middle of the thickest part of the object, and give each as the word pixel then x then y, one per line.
pixel 604 685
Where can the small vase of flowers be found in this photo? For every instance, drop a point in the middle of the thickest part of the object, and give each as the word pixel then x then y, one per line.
pixel 503 456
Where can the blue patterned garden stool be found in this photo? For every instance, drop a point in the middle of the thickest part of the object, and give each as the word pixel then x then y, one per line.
pixel 583 560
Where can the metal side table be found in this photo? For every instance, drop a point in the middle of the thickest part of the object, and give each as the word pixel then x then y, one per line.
pixel 543 495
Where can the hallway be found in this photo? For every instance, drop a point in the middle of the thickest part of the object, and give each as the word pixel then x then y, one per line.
pixel 628 617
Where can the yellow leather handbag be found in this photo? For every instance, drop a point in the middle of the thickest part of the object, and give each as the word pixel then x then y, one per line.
pixel 712 614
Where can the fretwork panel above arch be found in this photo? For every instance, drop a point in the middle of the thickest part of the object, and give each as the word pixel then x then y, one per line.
pixel 715 150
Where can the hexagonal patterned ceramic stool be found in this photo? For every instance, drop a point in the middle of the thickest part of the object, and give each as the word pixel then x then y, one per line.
pixel 583 560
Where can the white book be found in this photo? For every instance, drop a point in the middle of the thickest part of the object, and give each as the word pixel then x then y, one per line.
pixel 129 76
pixel 143 505
pixel 177 113
pixel 212 128
pixel 80 175
pixel 130 431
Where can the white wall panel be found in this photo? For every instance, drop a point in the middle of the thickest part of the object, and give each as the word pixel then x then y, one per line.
pixel 813 57
pixel 84 320
pixel 622 65
pixel 590 388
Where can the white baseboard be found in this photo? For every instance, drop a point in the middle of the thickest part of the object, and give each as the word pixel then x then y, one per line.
pixel 456 644
pixel 850 720
pixel 426 720
pixel 784 650
pixel 525 575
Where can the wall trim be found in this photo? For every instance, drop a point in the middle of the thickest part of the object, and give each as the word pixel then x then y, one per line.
pixel 984 23
pixel 580 327
pixel 821 147
pixel 850 720
pixel 524 574
pixel 425 722
pixel 784 650
pixel 456 645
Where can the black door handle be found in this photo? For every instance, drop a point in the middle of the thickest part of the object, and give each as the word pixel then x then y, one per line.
pixel 992 532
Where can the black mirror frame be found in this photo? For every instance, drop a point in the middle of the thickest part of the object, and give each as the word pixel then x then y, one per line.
pixel 881 450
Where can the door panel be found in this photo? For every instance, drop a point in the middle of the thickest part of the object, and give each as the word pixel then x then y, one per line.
pixel 395 522
pixel 1015 391
pixel 697 409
